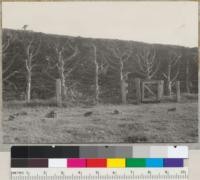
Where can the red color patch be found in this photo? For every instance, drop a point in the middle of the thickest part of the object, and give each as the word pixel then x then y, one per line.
pixel 96 162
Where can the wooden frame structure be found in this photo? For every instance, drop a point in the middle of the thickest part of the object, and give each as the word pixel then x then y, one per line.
pixel 153 87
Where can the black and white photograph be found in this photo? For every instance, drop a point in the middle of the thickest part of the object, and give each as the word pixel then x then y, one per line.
pixel 100 72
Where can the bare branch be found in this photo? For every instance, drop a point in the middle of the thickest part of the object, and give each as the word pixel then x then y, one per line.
pixel 10 83
pixel 127 56
pixel 70 70
pixel 70 45
pixel 164 75
pixel 141 65
pixel 103 67
pixel 10 64
pixel 10 75
pixel 76 51
pixel 146 60
pixel 5 46
pixel 28 47
pixel 34 66
pixel 176 75
pixel 36 51
pixel 172 62
pixel 156 70
pixel 110 62
pixel 114 52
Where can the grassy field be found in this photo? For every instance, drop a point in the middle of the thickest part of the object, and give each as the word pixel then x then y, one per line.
pixel 163 122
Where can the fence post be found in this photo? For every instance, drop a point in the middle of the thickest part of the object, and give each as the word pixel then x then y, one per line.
pixel 58 93
pixel 160 90
pixel 138 90
pixel 178 91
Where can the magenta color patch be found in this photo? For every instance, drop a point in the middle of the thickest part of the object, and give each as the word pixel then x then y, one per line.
pixel 76 163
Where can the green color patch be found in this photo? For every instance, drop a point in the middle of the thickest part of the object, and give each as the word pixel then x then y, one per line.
pixel 135 162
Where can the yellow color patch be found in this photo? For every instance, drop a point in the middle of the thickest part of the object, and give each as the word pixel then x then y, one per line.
pixel 116 163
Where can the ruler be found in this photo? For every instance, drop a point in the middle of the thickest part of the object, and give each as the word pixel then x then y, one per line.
pixel 99 173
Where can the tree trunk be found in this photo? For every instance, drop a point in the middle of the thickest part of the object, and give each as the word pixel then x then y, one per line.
pixel 62 78
pixel 169 88
pixel 28 95
pixel 97 91
pixel 58 93
pixel 122 84
pixel 187 81
pixel 63 88
pixel 169 83
pixel 123 91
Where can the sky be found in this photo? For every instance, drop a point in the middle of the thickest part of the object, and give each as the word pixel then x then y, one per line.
pixel 152 22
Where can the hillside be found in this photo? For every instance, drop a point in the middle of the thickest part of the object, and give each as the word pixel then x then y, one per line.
pixel 81 80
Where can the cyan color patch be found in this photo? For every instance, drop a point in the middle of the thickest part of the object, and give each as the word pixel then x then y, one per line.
pixel 154 162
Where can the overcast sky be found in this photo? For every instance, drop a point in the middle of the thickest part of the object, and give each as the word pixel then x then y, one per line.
pixel 153 22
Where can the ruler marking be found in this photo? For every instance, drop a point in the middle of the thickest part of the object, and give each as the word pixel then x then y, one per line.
pixel 99 174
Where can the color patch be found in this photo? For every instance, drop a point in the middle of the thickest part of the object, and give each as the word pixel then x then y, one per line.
pixel 76 163
pixel 173 162
pixel 116 163
pixel 96 163
pixel 158 152
pixel 141 152
pixel 154 162
pixel 19 163
pixel 177 152
pixel 88 152
pixel 123 151
pixel 38 163
pixel 106 152
pixel 57 163
pixel 45 152
pixel 135 162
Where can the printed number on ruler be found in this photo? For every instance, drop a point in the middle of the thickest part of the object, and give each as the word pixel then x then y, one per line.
pixel 99 174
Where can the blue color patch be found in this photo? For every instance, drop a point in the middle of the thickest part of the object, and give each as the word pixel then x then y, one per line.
pixel 154 162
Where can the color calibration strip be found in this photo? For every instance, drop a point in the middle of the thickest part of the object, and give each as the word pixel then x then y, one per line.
pixel 99 152
pixel 98 163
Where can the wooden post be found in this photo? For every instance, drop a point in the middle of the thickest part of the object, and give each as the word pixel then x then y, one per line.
pixel 124 91
pixel 160 90
pixel 138 90
pixel 187 79
pixel 58 93
pixel 178 91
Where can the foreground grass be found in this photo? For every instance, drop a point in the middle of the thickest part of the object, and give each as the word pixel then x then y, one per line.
pixel 131 124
